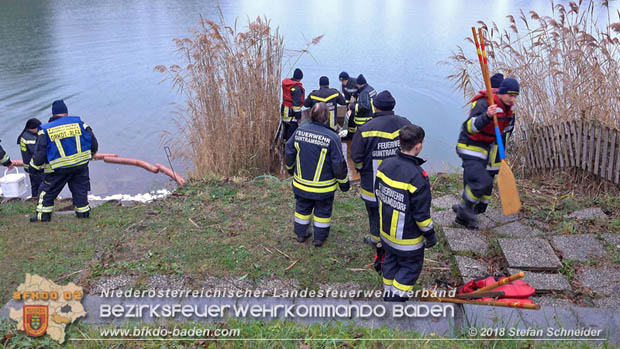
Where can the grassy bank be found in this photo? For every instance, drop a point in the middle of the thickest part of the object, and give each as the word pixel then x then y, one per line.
pixel 238 233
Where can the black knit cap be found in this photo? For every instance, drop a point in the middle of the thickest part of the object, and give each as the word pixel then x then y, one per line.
pixel 343 76
pixel 509 86
pixel 361 80
pixel 324 81
pixel 384 101
pixel 298 74
pixel 496 80
pixel 59 107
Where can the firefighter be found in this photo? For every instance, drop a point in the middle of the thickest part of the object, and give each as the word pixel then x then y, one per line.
pixel 403 193
pixel 477 148
pixel 65 144
pixel 314 157
pixel 374 142
pixel 362 108
pixel 329 96
pixel 26 141
pixel 5 159
pixel 292 100
pixel 349 86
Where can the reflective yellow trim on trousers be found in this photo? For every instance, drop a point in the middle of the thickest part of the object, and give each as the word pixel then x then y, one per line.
pixel 358 165
pixel 359 121
pixel 401 287
pixel 396 184
pixel 82 209
pixel 492 165
pixel 303 216
pixel 470 195
pixel 290 167
pixel 319 165
pixel 387 282
pixel 381 134
pixel 296 108
pixel 314 190
pixel 324 99
pixel 322 220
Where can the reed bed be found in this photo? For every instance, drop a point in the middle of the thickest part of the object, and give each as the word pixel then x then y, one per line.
pixel 568 65
pixel 230 80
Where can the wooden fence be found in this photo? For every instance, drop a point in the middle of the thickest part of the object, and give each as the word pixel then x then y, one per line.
pixel 581 144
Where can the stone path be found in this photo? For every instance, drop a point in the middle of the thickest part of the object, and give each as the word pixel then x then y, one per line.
pixel 531 246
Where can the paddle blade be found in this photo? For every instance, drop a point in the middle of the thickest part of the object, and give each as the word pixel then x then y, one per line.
pixel 508 192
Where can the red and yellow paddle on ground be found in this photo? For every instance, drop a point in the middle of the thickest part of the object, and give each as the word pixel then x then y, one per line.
pixel 508 192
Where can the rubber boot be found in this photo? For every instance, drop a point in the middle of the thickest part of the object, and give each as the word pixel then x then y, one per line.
pixel 480 208
pixel 465 215
pixel 83 214
pixel 45 217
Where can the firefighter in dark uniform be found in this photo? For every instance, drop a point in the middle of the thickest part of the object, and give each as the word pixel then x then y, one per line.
pixel 292 101
pixel 5 159
pixel 477 148
pixel 329 96
pixel 404 196
pixel 349 86
pixel 65 144
pixel 374 142
pixel 314 157
pixel 362 109
pixel 26 141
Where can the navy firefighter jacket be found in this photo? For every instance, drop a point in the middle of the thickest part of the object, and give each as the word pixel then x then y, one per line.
pixel 404 196
pixel 314 157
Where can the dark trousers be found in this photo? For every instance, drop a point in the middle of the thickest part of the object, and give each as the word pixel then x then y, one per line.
pixel 477 184
pixel 288 128
pixel 322 216
pixel 79 185
pixel 401 272
pixel 35 182
pixel 373 219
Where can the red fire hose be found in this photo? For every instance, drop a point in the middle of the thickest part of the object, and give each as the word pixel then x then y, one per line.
pixel 113 158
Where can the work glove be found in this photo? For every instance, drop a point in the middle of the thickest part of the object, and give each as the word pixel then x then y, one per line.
pixel 429 239
pixel 343 133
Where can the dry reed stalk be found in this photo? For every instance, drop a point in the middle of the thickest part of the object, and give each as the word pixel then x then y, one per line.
pixel 231 85
pixel 567 63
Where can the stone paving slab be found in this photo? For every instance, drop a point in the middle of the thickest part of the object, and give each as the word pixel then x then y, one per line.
pixel 470 268
pixel 549 301
pixel 544 282
pixel 608 303
pixel 446 218
pixel 498 216
pixel 603 281
pixel 578 247
pixel 443 218
pixel 445 202
pixel 465 240
pixel 613 239
pixel 532 254
pixel 588 213
pixel 517 230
